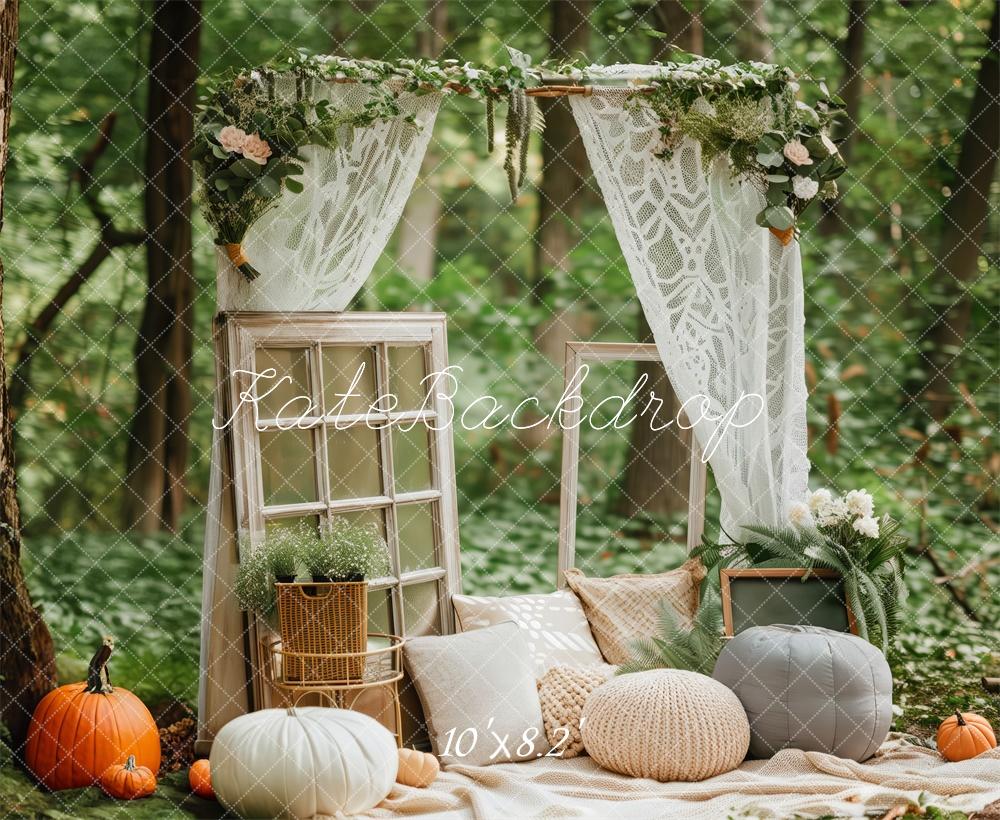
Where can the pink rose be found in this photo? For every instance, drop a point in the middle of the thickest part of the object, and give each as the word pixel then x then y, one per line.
pixel 232 138
pixel 256 149
pixel 797 153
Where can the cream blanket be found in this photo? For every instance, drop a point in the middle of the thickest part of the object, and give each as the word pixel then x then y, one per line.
pixel 808 784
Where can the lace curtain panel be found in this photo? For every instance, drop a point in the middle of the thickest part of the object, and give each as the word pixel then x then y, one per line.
pixel 315 249
pixel 722 296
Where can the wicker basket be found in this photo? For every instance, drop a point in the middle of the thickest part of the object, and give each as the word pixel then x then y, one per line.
pixel 324 618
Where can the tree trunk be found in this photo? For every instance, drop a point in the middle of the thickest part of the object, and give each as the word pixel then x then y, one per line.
pixel 418 230
pixel 753 33
pixel 562 192
pixel 27 659
pixel 658 463
pixel 158 442
pixel 966 216
pixel 852 61
pixel 682 24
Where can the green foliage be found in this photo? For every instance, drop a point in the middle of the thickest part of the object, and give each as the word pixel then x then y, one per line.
pixel 254 586
pixel 348 551
pixel 695 647
pixel 750 113
pixel 871 567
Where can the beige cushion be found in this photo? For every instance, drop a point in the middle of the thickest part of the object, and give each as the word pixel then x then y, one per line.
pixel 563 691
pixel 625 607
pixel 554 625
pixel 478 693
pixel 667 724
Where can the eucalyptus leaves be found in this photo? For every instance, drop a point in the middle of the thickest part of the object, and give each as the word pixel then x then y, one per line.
pixel 749 113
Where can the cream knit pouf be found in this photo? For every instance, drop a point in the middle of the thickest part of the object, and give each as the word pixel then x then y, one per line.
pixel 666 724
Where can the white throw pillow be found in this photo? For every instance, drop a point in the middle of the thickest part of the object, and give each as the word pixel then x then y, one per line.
pixel 478 693
pixel 555 626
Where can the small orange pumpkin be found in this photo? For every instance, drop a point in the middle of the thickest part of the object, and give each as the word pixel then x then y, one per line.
pixel 965 735
pixel 79 730
pixel 126 781
pixel 417 768
pixel 200 779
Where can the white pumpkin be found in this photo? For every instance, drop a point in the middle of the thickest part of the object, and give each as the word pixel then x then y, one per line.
pixel 303 762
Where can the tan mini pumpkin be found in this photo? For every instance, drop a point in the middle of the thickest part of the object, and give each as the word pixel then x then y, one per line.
pixel 965 735
pixel 417 768
pixel 126 781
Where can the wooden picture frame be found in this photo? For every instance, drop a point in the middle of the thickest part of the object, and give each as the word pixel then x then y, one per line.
pixel 728 575
pixel 577 354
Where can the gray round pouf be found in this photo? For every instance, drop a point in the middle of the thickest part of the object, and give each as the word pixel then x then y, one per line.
pixel 809 688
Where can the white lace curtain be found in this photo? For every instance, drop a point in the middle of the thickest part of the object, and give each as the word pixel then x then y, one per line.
pixel 315 249
pixel 722 296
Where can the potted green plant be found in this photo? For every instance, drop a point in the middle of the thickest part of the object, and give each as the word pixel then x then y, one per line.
pixel 345 553
pixel 330 615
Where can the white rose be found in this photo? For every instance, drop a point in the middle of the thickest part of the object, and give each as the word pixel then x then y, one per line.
pixel 860 502
pixel 866 526
pixel 833 513
pixel 804 188
pixel 819 499
pixel 797 153
pixel 800 516
pixel 232 138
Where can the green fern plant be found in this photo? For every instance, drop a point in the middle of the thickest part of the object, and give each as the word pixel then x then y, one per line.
pixel 695 647
pixel 872 568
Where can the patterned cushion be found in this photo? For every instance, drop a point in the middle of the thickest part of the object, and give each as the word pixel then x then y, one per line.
pixel 625 607
pixel 554 625
pixel 563 691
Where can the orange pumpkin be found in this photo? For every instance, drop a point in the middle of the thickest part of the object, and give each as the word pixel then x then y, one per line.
pixel 126 781
pixel 200 779
pixel 79 730
pixel 417 768
pixel 965 735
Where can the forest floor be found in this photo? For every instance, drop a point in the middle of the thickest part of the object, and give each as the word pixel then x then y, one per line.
pixel 91 585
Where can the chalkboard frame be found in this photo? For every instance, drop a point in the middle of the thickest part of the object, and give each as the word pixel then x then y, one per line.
pixel 729 574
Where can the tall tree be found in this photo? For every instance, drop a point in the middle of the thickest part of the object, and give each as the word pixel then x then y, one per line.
pixel 852 61
pixel 656 478
pixel 681 23
pixel 561 193
pixel 965 219
pixel 27 659
pixel 418 229
pixel 158 440
pixel 753 33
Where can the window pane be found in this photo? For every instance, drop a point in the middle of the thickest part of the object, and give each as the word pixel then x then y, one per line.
pixel 341 364
pixel 287 468
pixel 372 516
pixel 355 466
pixel 291 522
pixel 287 393
pixel 380 611
pixel 421 609
pixel 411 463
pixel 406 371
pixel 416 536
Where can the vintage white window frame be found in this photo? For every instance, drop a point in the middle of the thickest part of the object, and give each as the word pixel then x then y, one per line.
pixel 245 333
pixel 578 354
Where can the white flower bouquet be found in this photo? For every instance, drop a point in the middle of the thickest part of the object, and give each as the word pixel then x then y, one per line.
pixel 834 532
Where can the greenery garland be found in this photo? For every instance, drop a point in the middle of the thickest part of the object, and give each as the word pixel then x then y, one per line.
pixel 248 140
pixel 750 114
